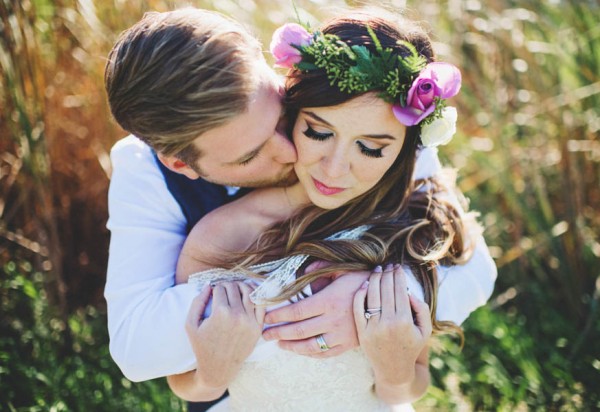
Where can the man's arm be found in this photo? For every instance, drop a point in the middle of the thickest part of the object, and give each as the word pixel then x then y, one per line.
pixel 146 312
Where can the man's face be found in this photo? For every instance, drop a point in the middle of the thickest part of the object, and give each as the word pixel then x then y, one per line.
pixel 250 150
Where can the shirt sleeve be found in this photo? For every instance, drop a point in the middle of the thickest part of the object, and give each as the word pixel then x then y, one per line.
pixel 427 164
pixel 462 288
pixel 146 310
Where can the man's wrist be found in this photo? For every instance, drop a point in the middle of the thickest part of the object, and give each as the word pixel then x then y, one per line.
pixel 211 385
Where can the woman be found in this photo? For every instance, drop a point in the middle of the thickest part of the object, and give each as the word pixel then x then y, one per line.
pixel 362 95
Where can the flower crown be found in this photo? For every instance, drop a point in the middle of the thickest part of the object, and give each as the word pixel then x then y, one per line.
pixel 415 88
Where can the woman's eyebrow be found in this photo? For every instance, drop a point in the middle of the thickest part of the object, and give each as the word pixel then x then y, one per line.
pixel 317 118
pixel 379 136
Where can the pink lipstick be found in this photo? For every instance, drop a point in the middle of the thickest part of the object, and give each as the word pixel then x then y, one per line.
pixel 326 190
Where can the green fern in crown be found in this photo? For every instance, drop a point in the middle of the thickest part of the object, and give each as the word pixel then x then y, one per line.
pixel 355 69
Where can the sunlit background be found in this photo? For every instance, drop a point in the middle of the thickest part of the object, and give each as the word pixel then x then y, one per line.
pixel 528 153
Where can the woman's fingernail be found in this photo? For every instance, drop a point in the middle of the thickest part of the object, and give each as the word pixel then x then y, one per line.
pixel 365 284
pixel 389 267
pixel 378 269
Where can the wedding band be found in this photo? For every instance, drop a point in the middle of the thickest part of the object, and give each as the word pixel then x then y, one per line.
pixel 369 313
pixel 322 344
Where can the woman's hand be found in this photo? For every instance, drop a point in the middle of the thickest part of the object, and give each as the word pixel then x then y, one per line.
pixel 222 341
pixel 394 342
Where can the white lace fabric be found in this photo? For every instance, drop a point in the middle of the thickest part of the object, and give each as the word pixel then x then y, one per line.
pixel 281 272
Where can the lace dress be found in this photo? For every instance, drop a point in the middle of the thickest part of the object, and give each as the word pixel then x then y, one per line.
pixel 272 379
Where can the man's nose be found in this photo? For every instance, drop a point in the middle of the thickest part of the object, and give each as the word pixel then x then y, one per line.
pixel 284 151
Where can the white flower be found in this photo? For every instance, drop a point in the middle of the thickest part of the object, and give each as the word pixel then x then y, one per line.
pixel 441 130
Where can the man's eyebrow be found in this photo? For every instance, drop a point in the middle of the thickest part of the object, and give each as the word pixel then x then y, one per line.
pixel 369 136
pixel 249 155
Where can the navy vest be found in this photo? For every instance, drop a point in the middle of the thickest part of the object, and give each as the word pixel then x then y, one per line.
pixel 195 197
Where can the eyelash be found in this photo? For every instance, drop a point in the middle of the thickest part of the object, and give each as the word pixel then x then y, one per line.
pixel 245 162
pixel 369 152
pixel 313 134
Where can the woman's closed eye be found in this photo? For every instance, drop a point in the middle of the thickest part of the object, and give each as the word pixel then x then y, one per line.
pixel 313 134
pixel 367 151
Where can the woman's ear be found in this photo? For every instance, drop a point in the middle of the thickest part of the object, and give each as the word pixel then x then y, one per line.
pixel 178 166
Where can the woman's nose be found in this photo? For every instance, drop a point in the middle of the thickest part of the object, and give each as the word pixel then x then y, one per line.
pixel 336 163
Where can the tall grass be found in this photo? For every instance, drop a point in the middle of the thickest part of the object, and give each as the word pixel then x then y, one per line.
pixel 528 150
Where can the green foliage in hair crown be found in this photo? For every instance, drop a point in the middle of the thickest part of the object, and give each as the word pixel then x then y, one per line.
pixel 415 88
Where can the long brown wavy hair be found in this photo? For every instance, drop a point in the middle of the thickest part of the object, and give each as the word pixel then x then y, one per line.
pixel 411 222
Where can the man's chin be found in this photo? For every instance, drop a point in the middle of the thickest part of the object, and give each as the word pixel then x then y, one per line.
pixel 284 180
pixel 281 181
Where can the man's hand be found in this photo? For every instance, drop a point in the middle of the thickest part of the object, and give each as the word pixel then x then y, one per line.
pixel 328 313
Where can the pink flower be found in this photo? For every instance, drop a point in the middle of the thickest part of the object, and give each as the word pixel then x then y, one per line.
pixel 440 80
pixel 283 42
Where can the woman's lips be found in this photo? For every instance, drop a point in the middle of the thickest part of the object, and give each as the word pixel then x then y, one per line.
pixel 326 190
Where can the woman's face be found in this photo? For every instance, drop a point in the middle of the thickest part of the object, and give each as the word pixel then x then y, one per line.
pixel 344 150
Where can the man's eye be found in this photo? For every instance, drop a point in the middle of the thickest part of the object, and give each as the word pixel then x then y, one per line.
pixel 248 160
pixel 313 134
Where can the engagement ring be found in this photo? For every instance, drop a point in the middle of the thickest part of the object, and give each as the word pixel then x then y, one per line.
pixel 369 313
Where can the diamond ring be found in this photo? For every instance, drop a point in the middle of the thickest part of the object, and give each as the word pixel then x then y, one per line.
pixel 369 313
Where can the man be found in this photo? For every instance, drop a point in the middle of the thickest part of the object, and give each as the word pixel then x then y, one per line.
pixel 204 107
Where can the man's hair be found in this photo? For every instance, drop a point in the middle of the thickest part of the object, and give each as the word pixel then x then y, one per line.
pixel 175 75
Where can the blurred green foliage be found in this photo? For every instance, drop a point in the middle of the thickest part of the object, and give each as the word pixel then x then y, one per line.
pixel 51 363
pixel 528 150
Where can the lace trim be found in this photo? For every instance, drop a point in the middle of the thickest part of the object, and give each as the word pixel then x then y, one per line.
pixel 281 272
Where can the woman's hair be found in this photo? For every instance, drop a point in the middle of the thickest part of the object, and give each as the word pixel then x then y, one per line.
pixel 411 223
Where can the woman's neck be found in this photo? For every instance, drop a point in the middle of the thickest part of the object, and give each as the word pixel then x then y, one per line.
pixel 296 197
pixel 274 204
